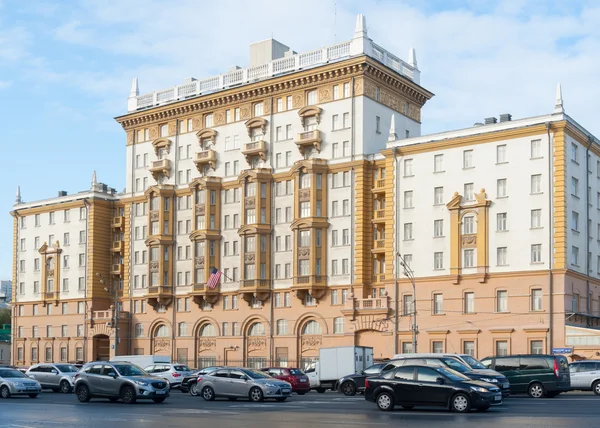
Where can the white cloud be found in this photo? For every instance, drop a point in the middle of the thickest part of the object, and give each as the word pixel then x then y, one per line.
pixel 5 84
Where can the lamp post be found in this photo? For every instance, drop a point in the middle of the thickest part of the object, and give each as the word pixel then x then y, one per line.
pixel 407 271
pixel 115 306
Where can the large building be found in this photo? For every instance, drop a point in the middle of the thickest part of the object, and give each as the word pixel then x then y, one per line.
pixel 5 291
pixel 295 180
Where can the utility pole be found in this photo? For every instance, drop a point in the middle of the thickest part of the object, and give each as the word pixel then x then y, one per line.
pixel 407 271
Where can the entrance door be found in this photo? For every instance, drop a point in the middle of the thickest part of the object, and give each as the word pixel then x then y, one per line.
pixel 101 347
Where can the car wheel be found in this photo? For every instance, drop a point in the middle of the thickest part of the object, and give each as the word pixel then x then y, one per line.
pixel 83 393
pixel 256 395
pixel 193 390
pixel 208 393
pixel 385 401
pixel 281 399
pixel 536 390
pixel 5 392
pixel 159 400
pixel 113 399
pixel 483 409
pixel 128 395
pixel 596 387
pixel 321 390
pixel 65 387
pixel 348 389
pixel 408 407
pixel 460 403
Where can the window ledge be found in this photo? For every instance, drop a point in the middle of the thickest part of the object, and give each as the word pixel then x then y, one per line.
pixel 503 231
pixel 468 167
pixel 501 163
pixel 536 263
pixel 502 197
pixel 439 172
pixel 438 315
pixel 536 193
pixel 502 265
pixel 438 237
pixel 408 176
pixel 536 228
pixel 409 208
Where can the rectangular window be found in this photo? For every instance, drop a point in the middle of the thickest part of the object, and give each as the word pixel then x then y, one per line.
pixel 501 187
pixel 536 219
pixel 468 159
pixel 438 260
pixel 468 192
pixel 469 256
pixel 469 347
pixel 575 256
pixel 501 153
pixel 438 163
pixel 574 186
pixel 345 267
pixel 311 98
pixel 469 302
pixel 408 199
pixel 536 253
pixel 536 183
pixel 502 301
pixel 501 222
pixel 536 149
pixel 575 220
pixel 438 303
pixel 536 347
pixel 438 196
pixel 438 228
pixel 408 167
pixel 378 124
pixel 408 229
pixel 501 256
pixel 574 152
pixel 536 299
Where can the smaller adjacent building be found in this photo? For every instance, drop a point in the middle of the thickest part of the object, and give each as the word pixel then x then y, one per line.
pixel 5 344
pixel 5 291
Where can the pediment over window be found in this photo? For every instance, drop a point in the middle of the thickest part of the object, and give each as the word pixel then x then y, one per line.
pixel 161 143
pixel 310 111
pixel 256 122
pixel 207 133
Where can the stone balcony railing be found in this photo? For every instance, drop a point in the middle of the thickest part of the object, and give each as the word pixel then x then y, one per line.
pixel 376 303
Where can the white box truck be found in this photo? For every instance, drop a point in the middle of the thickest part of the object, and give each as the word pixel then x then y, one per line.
pixel 334 363
pixel 143 361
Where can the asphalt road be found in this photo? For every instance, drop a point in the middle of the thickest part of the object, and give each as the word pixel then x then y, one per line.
pixel 51 410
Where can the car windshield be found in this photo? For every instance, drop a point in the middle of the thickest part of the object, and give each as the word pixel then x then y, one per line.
pixel 182 368
pixel 456 365
pixel 256 374
pixel 11 373
pixel 130 370
pixel 473 362
pixel 374 369
pixel 452 374
pixel 296 372
pixel 67 368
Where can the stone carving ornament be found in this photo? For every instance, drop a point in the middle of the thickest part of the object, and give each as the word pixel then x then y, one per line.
pixel 311 341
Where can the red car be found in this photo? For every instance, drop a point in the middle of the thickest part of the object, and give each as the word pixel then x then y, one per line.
pixel 296 377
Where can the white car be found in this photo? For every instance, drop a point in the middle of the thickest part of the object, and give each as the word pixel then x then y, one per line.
pixel 13 382
pixel 172 373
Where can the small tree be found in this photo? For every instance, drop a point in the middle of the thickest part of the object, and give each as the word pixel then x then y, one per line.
pixel 4 316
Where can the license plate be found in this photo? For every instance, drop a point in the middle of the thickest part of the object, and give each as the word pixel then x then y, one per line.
pixel 31 388
pixel 286 391
pixel 160 392
pixel 498 397
pixel 303 380
pixel 505 385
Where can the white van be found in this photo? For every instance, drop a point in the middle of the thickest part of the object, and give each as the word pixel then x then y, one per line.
pixel 143 361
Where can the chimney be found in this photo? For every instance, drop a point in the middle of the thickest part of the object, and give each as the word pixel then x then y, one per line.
pixel 506 117
pixel 490 120
pixel 62 193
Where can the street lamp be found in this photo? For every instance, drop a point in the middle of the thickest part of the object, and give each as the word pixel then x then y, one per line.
pixel 407 271
pixel 115 307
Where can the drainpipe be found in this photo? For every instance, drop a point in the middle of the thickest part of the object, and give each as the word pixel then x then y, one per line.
pixel 353 130
pixel 14 292
pixel 550 243
pixel 270 255
pixel 131 247
pixel 396 251
pixel 85 289
pixel 587 227
pixel 173 248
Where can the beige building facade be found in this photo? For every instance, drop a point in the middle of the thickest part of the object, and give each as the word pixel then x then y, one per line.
pixel 302 180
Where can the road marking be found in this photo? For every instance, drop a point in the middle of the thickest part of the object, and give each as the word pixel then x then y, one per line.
pixel 197 412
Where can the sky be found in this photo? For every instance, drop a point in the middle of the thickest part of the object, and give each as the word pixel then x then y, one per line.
pixel 66 68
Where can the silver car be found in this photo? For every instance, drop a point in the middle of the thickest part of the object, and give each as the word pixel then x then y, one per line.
pixel 57 377
pixel 118 380
pixel 234 383
pixel 174 373
pixel 13 382
pixel 585 376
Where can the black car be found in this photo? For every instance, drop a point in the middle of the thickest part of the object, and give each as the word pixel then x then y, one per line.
pixel 351 384
pixel 188 383
pixel 484 375
pixel 413 385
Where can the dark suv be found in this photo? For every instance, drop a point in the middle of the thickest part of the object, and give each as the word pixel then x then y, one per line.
pixel 118 380
pixel 537 375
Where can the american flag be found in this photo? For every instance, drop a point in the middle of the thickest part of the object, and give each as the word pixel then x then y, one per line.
pixel 213 279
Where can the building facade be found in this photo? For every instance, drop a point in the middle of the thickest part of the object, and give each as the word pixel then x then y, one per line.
pixel 301 180
pixel 5 291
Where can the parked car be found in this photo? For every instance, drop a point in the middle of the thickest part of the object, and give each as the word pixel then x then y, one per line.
pixel 294 376
pixel 142 360
pixel 450 361
pixel 537 375
pixel 351 384
pixel 189 381
pixel 57 377
pixel 417 385
pixel 585 376
pixel 234 383
pixel 118 380
pixel 14 382
pixel 173 373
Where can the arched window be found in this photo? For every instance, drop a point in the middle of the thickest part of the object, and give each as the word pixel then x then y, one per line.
pixel 256 329
pixel 50 264
pixel 208 330
pixel 312 327
pixel 162 331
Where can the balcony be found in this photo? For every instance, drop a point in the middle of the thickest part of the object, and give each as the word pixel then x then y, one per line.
pixel 309 139
pixel 378 278
pixel 369 306
pixel 117 246
pixel 378 246
pixel 379 216
pixel 201 293
pixel 160 167
pixel 255 148
pixel 315 285
pixel 117 269
pixel 258 288
pixel 50 297
pixel 379 186
pixel 160 294
pixel 107 316
pixel 118 222
pixel 206 157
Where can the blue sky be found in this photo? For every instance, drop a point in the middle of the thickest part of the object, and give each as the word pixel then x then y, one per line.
pixel 66 68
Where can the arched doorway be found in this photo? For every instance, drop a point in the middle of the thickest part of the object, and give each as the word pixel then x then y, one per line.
pixel 101 347
pixel 206 344
pixel 256 346
pixel 311 340
pixel 161 340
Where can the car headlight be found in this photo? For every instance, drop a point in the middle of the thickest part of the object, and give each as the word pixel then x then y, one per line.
pixel 270 385
pixel 18 384
pixel 489 380
pixel 141 383
pixel 478 389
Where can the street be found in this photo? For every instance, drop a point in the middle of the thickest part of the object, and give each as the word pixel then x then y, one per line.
pixel 52 410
